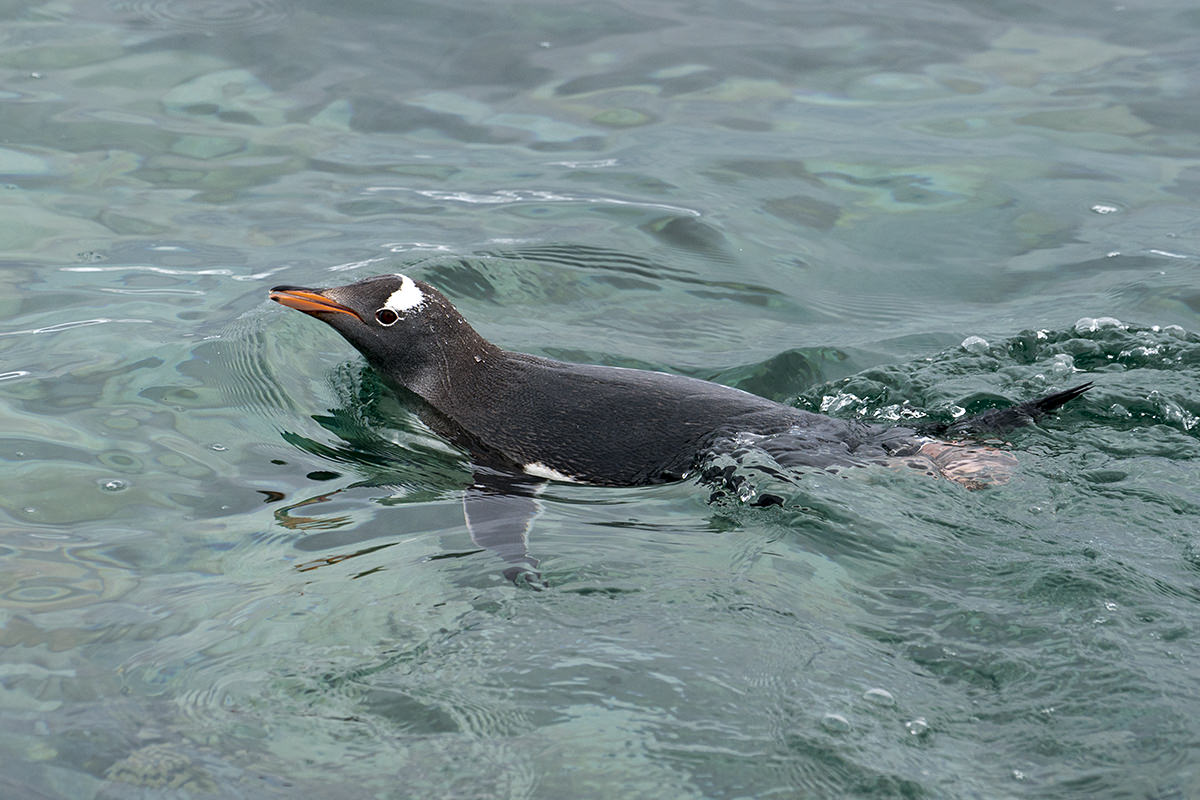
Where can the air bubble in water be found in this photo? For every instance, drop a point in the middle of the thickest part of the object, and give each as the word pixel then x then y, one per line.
pixel 1062 364
pixel 835 723
pixel 975 344
pixel 917 727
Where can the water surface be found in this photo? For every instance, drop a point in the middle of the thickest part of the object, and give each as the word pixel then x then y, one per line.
pixel 231 564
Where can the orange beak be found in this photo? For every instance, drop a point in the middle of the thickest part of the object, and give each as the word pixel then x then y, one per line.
pixel 309 302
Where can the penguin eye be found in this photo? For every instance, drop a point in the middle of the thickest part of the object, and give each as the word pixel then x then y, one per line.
pixel 386 317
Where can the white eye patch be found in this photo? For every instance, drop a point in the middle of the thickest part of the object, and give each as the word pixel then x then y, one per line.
pixel 407 298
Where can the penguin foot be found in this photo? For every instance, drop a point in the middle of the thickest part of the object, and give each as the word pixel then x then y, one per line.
pixel 525 577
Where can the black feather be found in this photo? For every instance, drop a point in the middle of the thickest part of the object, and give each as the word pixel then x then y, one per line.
pixel 1002 420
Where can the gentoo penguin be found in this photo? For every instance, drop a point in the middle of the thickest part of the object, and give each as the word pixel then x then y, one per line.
pixel 526 419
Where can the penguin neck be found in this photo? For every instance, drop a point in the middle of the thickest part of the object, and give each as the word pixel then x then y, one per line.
pixel 456 370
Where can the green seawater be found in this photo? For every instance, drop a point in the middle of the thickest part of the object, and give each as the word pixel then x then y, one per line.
pixel 233 565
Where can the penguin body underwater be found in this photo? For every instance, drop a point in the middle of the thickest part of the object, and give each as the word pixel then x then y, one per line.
pixel 526 419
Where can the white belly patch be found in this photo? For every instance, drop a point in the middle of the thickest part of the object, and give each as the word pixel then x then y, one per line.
pixel 539 470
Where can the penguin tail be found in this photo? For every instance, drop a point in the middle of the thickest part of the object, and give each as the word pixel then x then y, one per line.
pixel 1002 420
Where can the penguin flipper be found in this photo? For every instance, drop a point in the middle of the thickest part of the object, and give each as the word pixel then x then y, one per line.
pixel 499 510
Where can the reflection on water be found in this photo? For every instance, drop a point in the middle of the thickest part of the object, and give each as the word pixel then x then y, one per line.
pixel 232 564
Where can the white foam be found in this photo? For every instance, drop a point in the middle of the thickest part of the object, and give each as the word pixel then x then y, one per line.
pixel 407 298
pixel 539 470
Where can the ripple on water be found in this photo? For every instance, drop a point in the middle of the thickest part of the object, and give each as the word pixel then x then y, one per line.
pixel 223 16
pixel 240 363
pixel 58 573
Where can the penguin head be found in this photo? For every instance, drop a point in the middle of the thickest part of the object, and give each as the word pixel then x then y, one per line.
pixel 406 329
